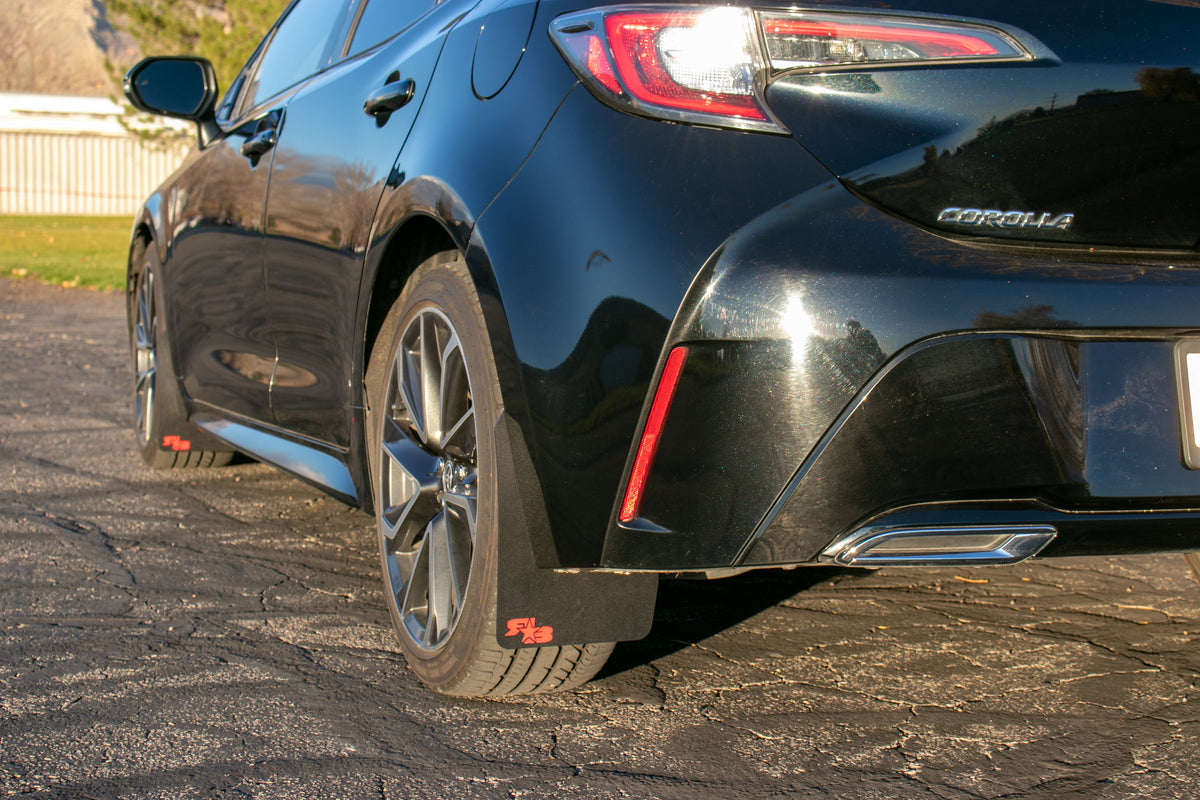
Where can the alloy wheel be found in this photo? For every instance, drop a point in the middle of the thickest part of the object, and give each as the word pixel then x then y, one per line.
pixel 428 492
pixel 145 362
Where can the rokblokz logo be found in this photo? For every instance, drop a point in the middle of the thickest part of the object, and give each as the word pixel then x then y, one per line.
pixel 529 631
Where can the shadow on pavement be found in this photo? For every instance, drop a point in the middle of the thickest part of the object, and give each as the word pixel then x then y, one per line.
pixel 690 611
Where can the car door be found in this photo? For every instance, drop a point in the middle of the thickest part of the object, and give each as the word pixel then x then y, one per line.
pixel 344 130
pixel 225 343
pixel 221 321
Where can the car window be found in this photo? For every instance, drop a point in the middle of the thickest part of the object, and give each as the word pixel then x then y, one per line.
pixel 225 108
pixel 298 48
pixel 383 19
pixel 229 101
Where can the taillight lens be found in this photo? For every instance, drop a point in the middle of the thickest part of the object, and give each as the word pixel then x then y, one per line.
pixel 689 61
pixel 808 39
pixel 683 63
pixel 708 65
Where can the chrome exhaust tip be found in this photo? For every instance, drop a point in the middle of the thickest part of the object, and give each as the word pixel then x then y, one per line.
pixel 939 545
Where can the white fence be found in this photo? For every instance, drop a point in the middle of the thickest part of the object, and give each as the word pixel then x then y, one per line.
pixel 71 156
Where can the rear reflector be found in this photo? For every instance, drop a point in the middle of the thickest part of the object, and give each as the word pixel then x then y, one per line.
pixel 642 463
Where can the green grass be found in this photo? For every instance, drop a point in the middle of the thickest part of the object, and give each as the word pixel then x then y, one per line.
pixel 66 251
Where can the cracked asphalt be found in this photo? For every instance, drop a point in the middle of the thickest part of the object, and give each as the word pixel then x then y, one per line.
pixel 222 634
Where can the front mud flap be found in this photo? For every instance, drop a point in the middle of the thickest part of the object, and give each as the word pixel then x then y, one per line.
pixel 537 606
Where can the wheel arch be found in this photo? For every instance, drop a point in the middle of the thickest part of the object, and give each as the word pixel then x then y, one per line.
pixel 419 219
pixel 140 240
pixel 149 225
pixel 412 242
pixel 424 217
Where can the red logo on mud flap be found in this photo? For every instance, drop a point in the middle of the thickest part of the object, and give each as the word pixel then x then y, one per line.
pixel 529 631
pixel 176 443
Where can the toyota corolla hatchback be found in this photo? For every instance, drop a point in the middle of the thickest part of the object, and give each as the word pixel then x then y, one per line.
pixel 573 296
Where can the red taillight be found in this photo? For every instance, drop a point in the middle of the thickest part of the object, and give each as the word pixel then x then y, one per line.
pixel 663 61
pixel 706 64
pixel 648 446
pixel 599 65
pixel 682 63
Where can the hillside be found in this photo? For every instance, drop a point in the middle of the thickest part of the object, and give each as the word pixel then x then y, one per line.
pixel 60 47
pixel 223 31
pixel 82 47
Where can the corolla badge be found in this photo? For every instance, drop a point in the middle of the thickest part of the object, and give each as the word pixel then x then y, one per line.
pixel 994 218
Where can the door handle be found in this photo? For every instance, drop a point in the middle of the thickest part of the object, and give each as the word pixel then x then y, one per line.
pixel 259 143
pixel 382 102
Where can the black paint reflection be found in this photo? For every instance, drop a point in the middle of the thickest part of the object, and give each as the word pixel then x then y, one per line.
pixel 247 365
pixel 1052 422
pixel 952 421
pixel 584 412
pixel 1123 162
pixel 745 416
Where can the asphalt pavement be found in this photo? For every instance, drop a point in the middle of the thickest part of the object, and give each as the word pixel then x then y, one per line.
pixel 222 634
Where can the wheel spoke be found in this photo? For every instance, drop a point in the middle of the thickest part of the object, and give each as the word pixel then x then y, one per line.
pixel 441 582
pixel 407 454
pixel 408 372
pixel 414 595
pixel 145 404
pixel 141 337
pixel 409 484
pixel 460 544
pixel 464 506
pixel 143 381
pixel 460 438
pixel 431 381
pixel 451 382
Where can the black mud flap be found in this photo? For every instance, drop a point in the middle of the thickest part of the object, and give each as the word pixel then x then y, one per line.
pixel 538 606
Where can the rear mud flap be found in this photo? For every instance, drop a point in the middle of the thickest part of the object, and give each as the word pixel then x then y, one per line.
pixel 538 606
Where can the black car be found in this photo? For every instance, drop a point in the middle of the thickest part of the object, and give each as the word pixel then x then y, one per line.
pixel 574 296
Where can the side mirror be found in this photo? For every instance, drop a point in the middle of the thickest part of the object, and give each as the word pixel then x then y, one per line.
pixel 173 86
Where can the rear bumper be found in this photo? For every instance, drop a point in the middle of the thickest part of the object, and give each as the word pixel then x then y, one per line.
pixel 847 372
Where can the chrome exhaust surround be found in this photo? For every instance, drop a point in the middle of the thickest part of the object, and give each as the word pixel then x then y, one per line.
pixel 939 545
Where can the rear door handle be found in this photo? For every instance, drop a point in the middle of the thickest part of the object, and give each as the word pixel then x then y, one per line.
pixel 394 94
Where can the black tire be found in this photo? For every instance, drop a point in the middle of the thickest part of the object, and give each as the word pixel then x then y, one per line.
pixel 1193 561
pixel 165 438
pixel 433 467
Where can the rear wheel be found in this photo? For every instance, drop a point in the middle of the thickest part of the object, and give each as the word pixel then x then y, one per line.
pixel 434 398
pixel 164 436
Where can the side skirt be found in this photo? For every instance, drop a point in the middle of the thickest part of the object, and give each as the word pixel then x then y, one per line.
pixel 305 461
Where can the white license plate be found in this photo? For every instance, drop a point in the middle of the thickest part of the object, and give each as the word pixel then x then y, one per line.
pixel 1187 374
